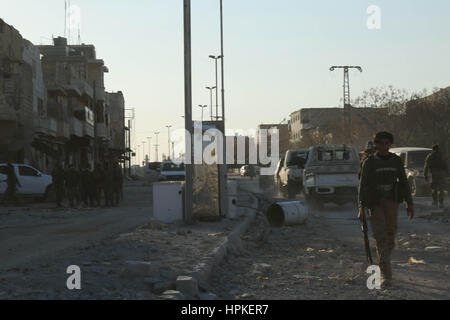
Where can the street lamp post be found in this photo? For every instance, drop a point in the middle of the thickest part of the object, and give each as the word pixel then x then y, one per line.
pixel 203 107
pixel 217 84
pixel 149 147
pixel 156 146
pixel 210 93
pixel 168 141
pixel 143 151
pixel 138 160
pixel 188 203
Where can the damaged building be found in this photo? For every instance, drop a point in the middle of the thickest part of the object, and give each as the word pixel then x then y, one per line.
pixel 53 104
pixel 22 99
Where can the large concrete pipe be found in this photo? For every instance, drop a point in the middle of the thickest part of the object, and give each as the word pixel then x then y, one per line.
pixel 287 213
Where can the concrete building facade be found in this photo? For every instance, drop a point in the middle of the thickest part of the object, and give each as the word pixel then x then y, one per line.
pixel 16 98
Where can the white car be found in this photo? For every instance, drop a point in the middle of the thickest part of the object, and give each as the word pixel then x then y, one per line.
pixel 32 181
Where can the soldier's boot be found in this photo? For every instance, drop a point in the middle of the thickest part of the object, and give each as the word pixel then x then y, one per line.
pixel 387 277
pixel 384 267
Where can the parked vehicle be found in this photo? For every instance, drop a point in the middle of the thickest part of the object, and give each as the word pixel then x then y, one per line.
pixel 414 162
pixel 248 171
pixel 153 167
pixel 276 176
pixel 331 175
pixel 291 172
pixel 171 171
pixel 33 182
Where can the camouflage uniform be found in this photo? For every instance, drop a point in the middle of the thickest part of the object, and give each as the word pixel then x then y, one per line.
pixel 87 187
pixel 98 177
pixel 72 183
pixel 117 184
pixel 437 166
pixel 58 183
pixel 107 184
pixel 382 187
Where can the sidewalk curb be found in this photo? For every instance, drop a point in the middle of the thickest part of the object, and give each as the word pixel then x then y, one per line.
pixel 202 271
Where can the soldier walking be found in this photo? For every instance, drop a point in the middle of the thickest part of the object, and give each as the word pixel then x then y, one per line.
pixel 58 183
pixel 12 183
pixel 436 164
pixel 107 184
pixel 72 183
pixel 383 186
pixel 117 184
pixel 98 184
pixel 86 186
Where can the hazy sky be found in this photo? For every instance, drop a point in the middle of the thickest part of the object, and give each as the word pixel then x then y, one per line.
pixel 278 53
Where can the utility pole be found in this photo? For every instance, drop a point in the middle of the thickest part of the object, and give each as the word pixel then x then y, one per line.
pixel 129 148
pixel 149 148
pixel 188 204
pixel 143 150
pixel 137 154
pixel 210 94
pixel 347 104
pixel 217 85
pixel 130 118
pixel 223 174
pixel 173 150
pixel 168 141
pixel 156 146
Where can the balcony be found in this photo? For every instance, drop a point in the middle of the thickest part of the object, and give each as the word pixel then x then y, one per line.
pixel 52 127
pixel 103 131
pixel 76 127
pixel 84 87
pixel 88 130
pixel 62 130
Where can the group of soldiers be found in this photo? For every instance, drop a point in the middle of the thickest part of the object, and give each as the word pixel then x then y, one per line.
pixel 89 187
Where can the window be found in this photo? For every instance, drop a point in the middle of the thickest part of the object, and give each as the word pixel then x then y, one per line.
pixel 27 172
pixel 417 158
pixel 325 155
pixel 342 155
pixel 169 166
pixel 402 156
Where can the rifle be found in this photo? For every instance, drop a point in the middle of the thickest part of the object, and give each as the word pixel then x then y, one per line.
pixel 365 229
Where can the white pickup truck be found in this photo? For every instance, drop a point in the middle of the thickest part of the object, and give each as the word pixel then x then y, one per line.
pixel 331 175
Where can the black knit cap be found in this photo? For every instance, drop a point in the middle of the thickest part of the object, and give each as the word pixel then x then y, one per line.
pixel 384 135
